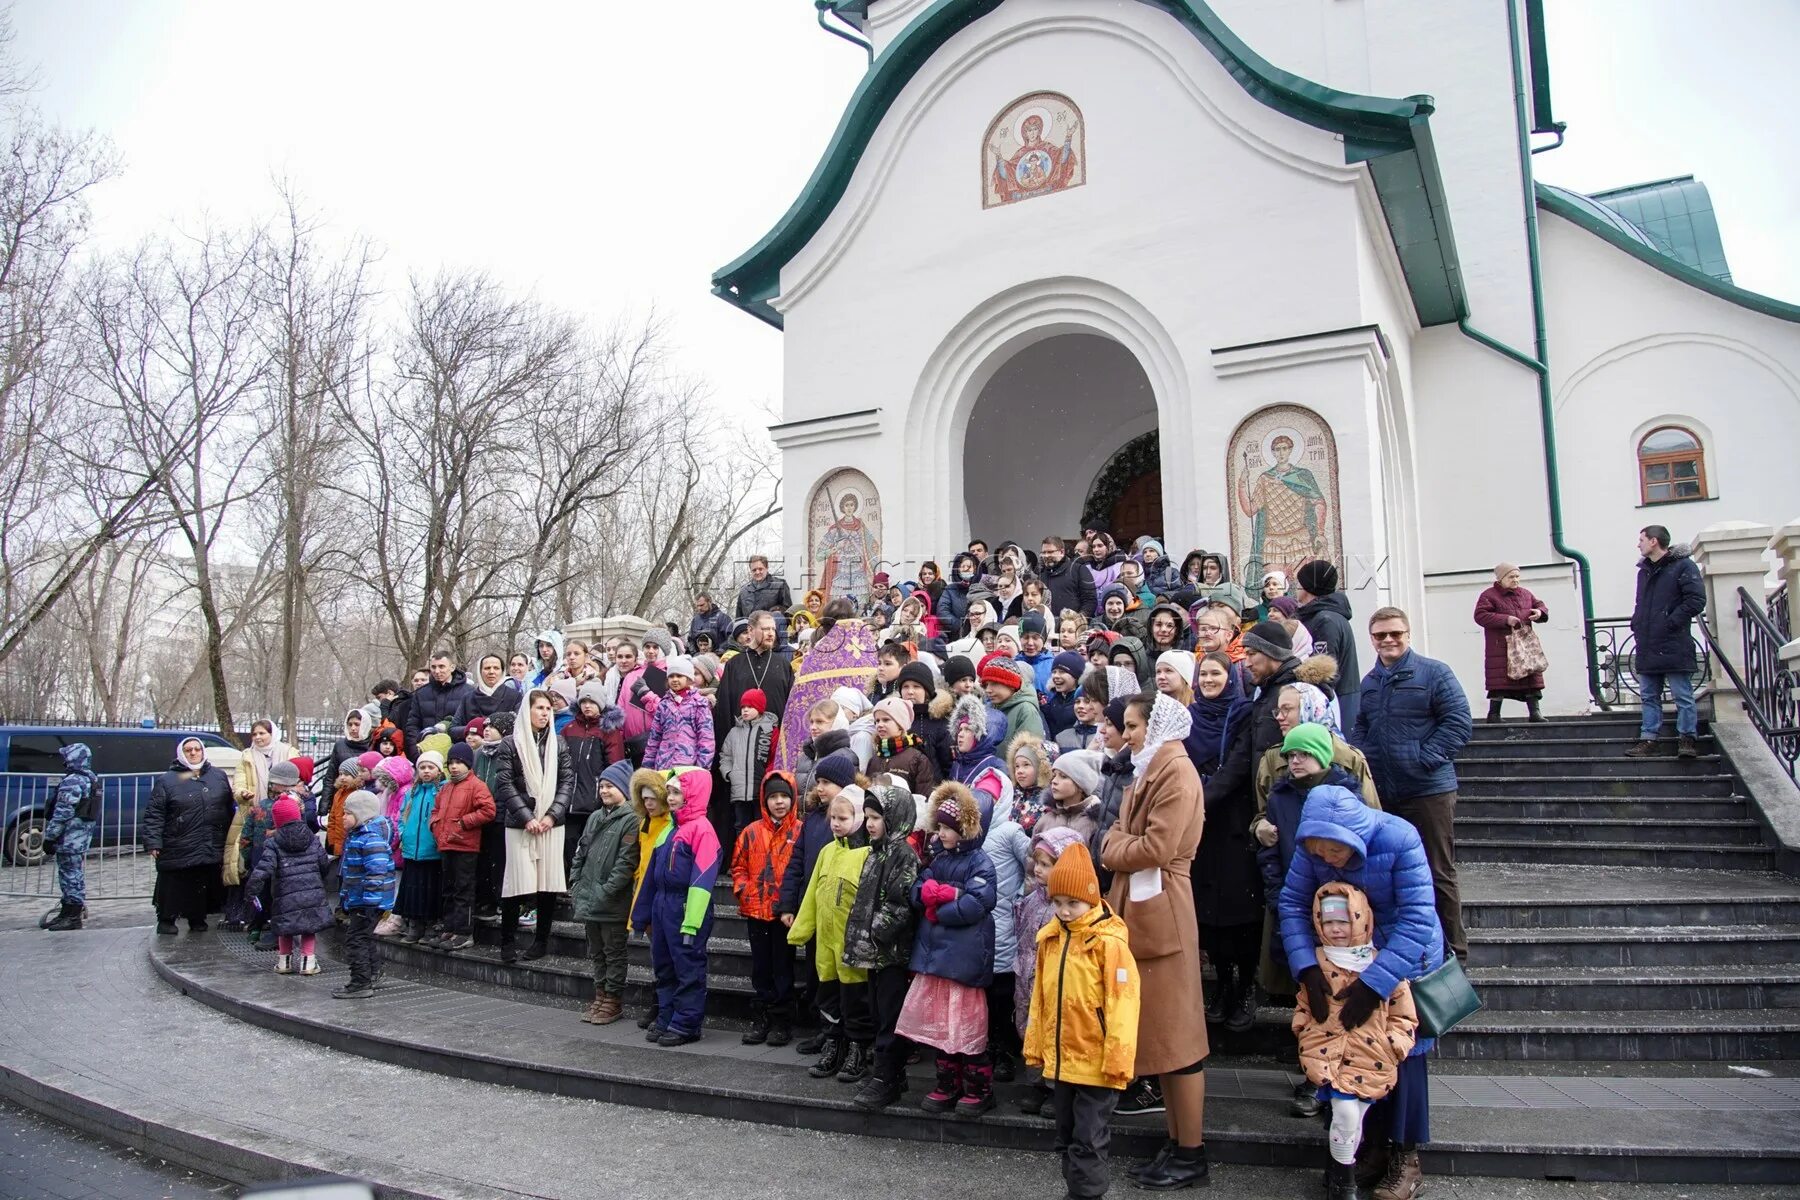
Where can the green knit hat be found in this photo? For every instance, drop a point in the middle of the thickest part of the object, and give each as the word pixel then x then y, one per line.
pixel 1309 739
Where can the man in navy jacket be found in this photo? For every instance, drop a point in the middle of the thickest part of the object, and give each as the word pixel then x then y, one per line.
pixel 1669 596
pixel 1413 721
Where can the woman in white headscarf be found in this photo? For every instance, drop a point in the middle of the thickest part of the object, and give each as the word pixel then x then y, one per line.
pixel 533 780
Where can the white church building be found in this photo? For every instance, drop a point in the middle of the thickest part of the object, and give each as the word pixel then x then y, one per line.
pixel 1266 277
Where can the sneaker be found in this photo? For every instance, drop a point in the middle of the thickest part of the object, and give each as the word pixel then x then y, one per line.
pixel 878 1092
pixel 1306 1102
pixel 488 918
pixel 284 964
pixel 528 920
pixel 309 964
pixel 1143 1096
pixel 1644 749
pixel 353 991
pixel 456 941
pixel 672 1038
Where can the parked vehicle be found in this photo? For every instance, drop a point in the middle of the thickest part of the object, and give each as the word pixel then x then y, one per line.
pixel 128 762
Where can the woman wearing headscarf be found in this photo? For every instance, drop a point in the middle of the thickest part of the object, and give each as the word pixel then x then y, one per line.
pixel 184 831
pixel 534 778
pixel 1150 851
pixel 1228 892
pixel 250 789
pixel 1502 609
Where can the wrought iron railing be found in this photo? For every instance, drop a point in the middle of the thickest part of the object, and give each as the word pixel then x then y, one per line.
pixel 1779 616
pixel 1613 649
pixel 1769 689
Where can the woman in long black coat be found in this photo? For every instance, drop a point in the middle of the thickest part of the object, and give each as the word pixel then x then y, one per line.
pixel 184 831
pixel 1228 893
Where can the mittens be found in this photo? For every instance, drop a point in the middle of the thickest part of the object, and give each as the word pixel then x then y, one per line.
pixel 1360 1002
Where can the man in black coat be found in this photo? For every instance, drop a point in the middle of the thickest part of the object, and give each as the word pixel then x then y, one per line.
pixel 1669 596
pixel 1071 585
pixel 440 702
pixel 1325 611
pixel 709 618
pixel 766 592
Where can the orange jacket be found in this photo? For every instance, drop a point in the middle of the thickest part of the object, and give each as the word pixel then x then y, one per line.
pixel 762 855
pixel 462 809
pixel 1083 1027
pixel 1362 1062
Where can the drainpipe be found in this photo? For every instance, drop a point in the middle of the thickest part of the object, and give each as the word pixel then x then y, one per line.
pixel 1540 365
pixel 824 6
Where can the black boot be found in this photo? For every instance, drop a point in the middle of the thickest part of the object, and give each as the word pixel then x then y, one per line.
pixel 831 1057
pixel 781 1025
pixel 1005 1067
pixel 883 1088
pixel 69 918
pixel 649 1017
pixel 1340 1181
pixel 1184 1168
pixel 1494 712
pixel 758 1033
pixel 1153 1164
pixel 857 1063
pixel 815 1043
pixel 1242 1015
pixel 509 950
pixel 1531 712
pixel 540 939
pixel 1216 1006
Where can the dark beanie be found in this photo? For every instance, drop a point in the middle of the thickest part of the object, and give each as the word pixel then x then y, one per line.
pixel 1072 663
pixel 1318 577
pixel 463 753
pixel 1033 622
pixel 1115 712
pixel 838 767
pixel 919 673
pixel 1270 638
pixel 957 668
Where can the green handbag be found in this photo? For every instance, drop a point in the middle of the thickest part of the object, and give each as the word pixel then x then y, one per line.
pixel 1444 998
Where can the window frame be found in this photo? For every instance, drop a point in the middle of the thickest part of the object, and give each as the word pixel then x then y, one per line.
pixel 1656 458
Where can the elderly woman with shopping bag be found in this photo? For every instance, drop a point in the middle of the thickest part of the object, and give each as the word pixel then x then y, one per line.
pixel 1514 663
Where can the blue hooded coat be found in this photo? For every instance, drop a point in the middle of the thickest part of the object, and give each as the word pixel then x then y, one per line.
pixel 1387 861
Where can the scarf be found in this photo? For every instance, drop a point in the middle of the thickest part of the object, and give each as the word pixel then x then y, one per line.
pixel 538 773
pixel 1315 709
pixel 1169 722
pixel 888 747
pixel 1350 958
pixel 1213 718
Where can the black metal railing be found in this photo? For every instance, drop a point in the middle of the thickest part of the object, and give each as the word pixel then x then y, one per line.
pixel 1766 685
pixel 1778 613
pixel 1612 648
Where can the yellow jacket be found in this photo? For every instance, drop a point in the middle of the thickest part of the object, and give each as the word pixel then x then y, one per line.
pixel 1084 1004
pixel 825 909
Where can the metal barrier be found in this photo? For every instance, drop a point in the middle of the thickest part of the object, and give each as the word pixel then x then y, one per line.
pixel 1613 648
pixel 116 867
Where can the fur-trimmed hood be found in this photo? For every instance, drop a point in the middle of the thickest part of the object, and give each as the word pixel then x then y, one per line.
pixel 968 811
pixel 1319 670
pixel 1025 741
pixel 648 782
pixel 940 705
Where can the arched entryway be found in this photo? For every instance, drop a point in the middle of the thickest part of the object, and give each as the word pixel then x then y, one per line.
pixel 1047 426
pixel 1126 496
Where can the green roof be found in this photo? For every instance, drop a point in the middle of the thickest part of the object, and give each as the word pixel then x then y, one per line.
pixel 1392 136
pixel 1635 242
pixel 1678 215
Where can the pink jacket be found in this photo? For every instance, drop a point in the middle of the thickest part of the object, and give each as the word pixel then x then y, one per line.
pixel 681 732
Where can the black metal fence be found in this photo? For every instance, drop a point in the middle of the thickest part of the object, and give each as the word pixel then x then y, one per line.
pixel 1766 684
pixel 1613 648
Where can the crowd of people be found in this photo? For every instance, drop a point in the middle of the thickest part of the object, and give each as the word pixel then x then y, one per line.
pixel 991 816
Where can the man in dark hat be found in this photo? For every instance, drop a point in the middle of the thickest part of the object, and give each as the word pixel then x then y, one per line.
pixel 1325 611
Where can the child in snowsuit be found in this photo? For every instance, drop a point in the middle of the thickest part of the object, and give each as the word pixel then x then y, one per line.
pixel 600 886
pixel 744 757
pixel 293 867
pixel 758 862
pixel 1352 1070
pixel 366 891
pixel 1084 1018
pixel 825 911
pixel 1031 912
pixel 71 831
pixel 674 906
pixel 953 958
pixel 832 774
pixel 681 725
pixel 879 936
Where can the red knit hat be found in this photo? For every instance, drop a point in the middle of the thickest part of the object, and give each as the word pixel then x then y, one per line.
pixel 304 765
pixel 998 668
pixel 754 698
pixel 287 811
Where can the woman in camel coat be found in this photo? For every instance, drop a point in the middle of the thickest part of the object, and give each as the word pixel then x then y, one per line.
pixel 1153 842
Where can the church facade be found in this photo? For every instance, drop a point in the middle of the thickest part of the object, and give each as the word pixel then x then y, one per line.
pixel 1272 279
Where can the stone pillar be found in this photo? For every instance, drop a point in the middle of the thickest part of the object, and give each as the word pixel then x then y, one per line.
pixel 1786 545
pixel 1731 556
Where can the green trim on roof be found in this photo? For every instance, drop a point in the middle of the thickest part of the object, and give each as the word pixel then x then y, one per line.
pixel 1393 136
pixel 1549 200
pixel 1537 41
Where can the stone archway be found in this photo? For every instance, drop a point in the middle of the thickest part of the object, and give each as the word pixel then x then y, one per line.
pixel 1126 496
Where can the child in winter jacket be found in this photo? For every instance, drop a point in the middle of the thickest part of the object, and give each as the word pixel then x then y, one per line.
pixel 352 777
pixel 931 706
pixel 823 738
pixel 650 803
pixel 674 906
pixel 744 756
pixel 1351 1069
pixel 1084 1017
pixel 758 862
pixel 899 751
pixel 879 936
pixel 292 866
pixel 1031 912
pixel 825 911
pixel 1074 795
pixel 71 831
pixel 1029 764
pixel 464 808
pixel 681 727
pixel 366 890
pixel 833 773
pixel 600 887
pixel 953 958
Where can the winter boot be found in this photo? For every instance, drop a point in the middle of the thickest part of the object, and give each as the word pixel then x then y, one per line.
pixel 309 964
pixel 831 1058
pixel 781 1026
pixel 540 942
pixel 612 1007
pixel 1493 716
pixel 69 918
pixel 880 1090
pixel 594 1009
pixel 857 1064
pixel 1216 1002
pixel 1006 1068
pixel 1242 1014
pixel 1184 1168
pixel 1340 1181
pixel 977 1091
pixel 165 927
pixel 649 1018
pixel 412 931
pixel 813 1044
pixel 1644 749
pixel 284 964
pixel 1532 714
pixel 1152 1165
pixel 1690 746
pixel 943 1097
pixel 509 949
pixel 1036 1096
pixel 1371 1163
pixel 758 1033
pixel 1404 1180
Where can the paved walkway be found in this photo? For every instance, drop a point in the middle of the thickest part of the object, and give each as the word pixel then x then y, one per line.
pixel 41 1160
pixel 248 1103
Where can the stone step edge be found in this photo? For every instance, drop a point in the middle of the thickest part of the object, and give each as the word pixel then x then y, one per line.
pixel 1297 1144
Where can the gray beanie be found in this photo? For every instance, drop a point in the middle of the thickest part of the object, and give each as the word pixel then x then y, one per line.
pixel 284 774
pixel 1083 767
pixel 363 805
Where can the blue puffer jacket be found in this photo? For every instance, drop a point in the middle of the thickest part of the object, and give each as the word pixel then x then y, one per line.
pixel 368 878
pixel 1670 595
pixel 1413 720
pixel 1007 846
pixel 1387 862
pixel 295 861
pixel 959 945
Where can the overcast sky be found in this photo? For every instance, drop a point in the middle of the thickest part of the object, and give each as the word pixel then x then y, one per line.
pixel 612 155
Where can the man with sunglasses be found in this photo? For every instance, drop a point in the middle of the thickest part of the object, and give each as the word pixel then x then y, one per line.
pixel 1413 722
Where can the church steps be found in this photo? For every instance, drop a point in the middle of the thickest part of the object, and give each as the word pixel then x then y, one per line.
pixel 1681 812
pixel 1517 745
pixel 1536 896
pixel 1598 765
pixel 1610 829
pixel 1721 856
pixel 1657 784
pixel 1601 989
pixel 1635 946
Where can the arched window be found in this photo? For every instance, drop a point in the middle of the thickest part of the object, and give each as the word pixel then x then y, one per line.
pixel 1671 466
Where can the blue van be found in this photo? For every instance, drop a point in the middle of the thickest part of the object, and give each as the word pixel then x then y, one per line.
pixel 128 761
